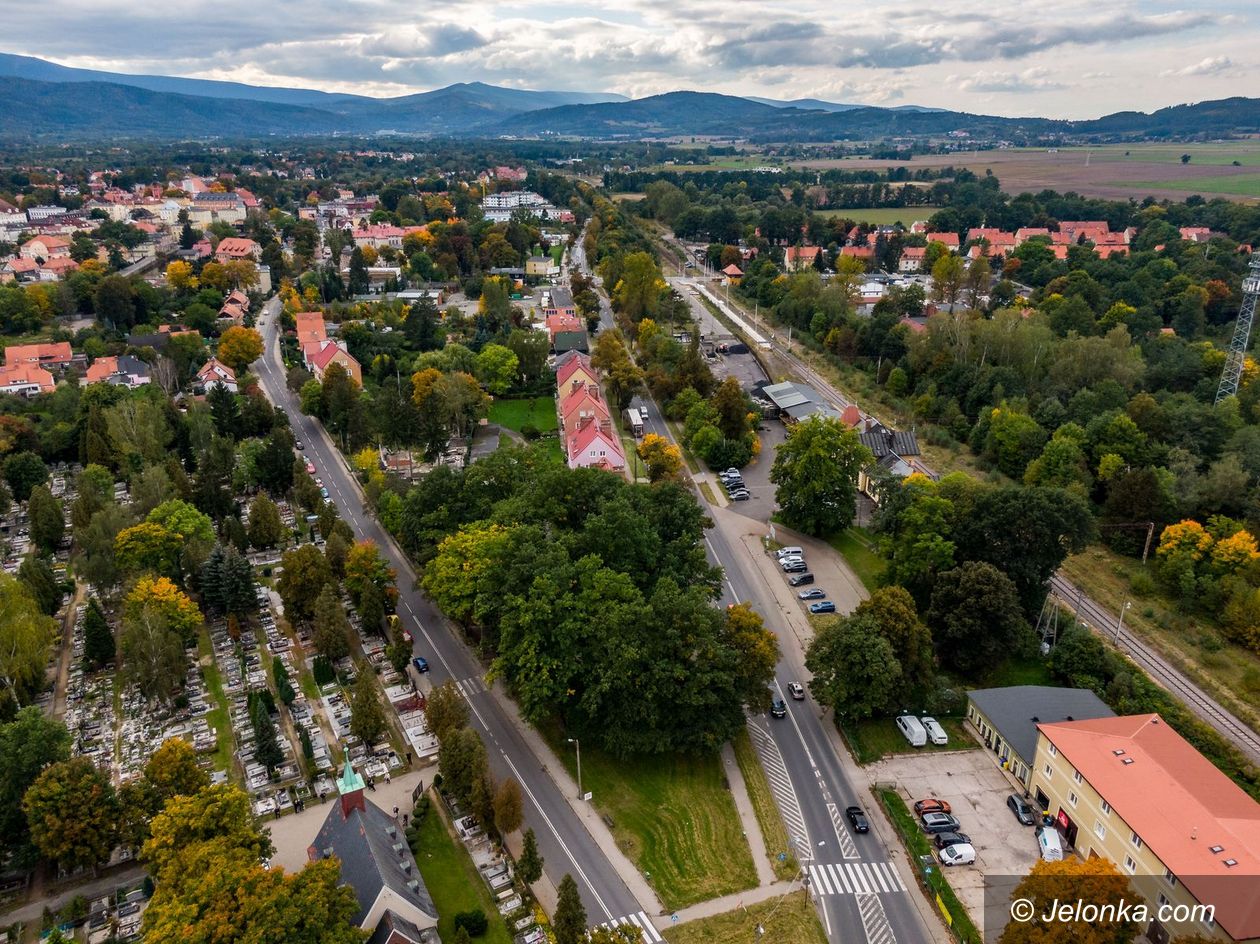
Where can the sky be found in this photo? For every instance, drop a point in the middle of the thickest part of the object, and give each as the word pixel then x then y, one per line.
pixel 1063 59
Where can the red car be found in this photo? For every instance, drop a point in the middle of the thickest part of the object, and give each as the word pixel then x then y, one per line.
pixel 932 805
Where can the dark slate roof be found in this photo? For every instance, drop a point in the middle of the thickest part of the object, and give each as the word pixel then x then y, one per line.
pixel 369 861
pixel 561 298
pixel 393 929
pixel 1017 710
pixel 570 341
pixel 881 441
pixel 158 340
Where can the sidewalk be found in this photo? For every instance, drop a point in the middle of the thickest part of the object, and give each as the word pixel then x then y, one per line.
pixel 747 815
pixel 34 910
pixel 717 906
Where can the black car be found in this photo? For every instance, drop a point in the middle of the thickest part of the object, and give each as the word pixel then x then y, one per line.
pixel 951 839
pixel 799 580
pixel 857 819
pixel 778 708
pixel 1022 810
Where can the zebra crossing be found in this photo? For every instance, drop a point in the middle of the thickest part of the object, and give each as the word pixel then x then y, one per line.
pixel 471 686
pixel 855 878
pixel 781 787
pixel 875 920
pixel 641 923
pixel 848 848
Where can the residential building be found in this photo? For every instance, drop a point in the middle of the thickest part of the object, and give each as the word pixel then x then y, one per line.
pixel 1196 234
pixel 376 862
pixel 1006 719
pixel 121 371
pixel 912 259
pixel 1133 790
pixel 237 247
pixel 323 354
pixel 235 306
pixel 558 301
pixel 214 373
pixel 948 240
pixel 582 402
pixel 541 267
pixel 379 236
pixel 310 329
pixel 37 213
pixel 896 455
pixel 561 324
pixel 798 258
pixel 44 248
pixel 55 354
pixel 25 379
pixel 595 444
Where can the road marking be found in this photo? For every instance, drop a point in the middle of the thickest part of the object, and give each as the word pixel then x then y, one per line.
pixel 781 786
pixel 856 878
pixel 875 920
pixel 471 686
pixel 641 923
pixel 847 847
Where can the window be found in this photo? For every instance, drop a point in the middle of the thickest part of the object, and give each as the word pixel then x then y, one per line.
pixel 1170 878
pixel 1049 771
pixel 1100 830
pixel 1129 865
pixel 1106 807
pixel 1163 899
pixel 1136 840
pixel 1076 775
pixel 1054 751
pixel 1072 798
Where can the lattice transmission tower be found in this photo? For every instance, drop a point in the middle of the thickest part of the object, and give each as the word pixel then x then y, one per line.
pixel 1237 355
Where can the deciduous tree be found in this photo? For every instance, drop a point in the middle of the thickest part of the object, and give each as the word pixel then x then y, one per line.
pixel 47 523
pixel 976 617
pixel 662 458
pixel 172 770
pixel 815 471
pixel 304 574
pixel 855 669
pixel 26 634
pixel 29 743
pixel 508 807
pixel 445 710
pixel 367 718
pixel 265 528
pixel 73 814
pixel 1096 881
pixel 239 347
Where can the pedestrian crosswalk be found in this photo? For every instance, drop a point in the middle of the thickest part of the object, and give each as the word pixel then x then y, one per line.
pixel 848 848
pixel 875 920
pixel 781 787
pixel 641 923
pixel 855 878
pixel 470 686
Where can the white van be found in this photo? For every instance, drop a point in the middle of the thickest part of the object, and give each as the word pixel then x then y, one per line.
pixel 936 734
pixel 1049 843
pixel 912 729
pixel 789 552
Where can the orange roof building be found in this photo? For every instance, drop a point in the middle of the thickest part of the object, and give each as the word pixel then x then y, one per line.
pixel 56 354
pixel 26 380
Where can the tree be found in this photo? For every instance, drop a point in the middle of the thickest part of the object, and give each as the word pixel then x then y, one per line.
pixel 622 376
pixel 445 710
pixel 498 369
pixel 637 293
pixel 158 595
pixel 266 744
pixel 331 636
pixel 893 611
pixel 358 283
pixel 661 457
pixel 28 744
pixel 976 617
pixel 42 583
pixel 73 814
pixel 816 470
pixel 99 647
pixel 152 654
pixel 569 920
pixel 508 807
pixel 47 524
pixel 26 634
pixel 179 276
pixel 304 573
pixel 220 815
pixel 239 347
pixel 855 669
pixel 365 566
pixel 757 653
pixel 114 302
pixel 23 471
pixel 172 770
pixel 530 864
pixel 462 763
pixel 147 547
pixel 265 527
pixel 1096 881
pixel 225 410
pixel 367 719
pixel 193 528
pixel 947 279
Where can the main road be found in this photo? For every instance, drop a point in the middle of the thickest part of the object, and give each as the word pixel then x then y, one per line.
pixel 564 841
pixel 860 894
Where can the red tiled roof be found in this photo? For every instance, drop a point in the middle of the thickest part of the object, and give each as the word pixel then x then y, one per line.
pixel 54 353
pixel 570 364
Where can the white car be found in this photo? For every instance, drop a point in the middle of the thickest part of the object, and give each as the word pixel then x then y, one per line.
pixel 964 853
pixel 935 733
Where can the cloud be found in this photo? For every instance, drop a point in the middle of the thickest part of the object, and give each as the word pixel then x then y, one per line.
pixel 1211 65
pixel 1030 80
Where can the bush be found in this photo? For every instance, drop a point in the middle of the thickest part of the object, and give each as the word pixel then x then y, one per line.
pixel 530 431
pixel 1142 584
pixel 323 671
pixel 474 922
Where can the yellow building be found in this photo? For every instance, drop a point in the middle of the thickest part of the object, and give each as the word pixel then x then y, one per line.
pixel 1133 790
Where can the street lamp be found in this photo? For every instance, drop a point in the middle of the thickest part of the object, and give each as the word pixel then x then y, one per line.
pixel 578 745
pixel 1120 622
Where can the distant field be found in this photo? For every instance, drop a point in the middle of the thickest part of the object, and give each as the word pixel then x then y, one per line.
pixel 883 215
pixel 1244 184
pixel 723 163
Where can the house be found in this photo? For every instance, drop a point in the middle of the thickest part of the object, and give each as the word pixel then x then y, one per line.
pixel 582 402
pixel 121 371
pixel 564 342
pixel 559 324
pixel 43 248
pixel 1133 790
pixel 798 258
pixel 733 273
pixel 214 373
pixel 1025 233
pixel 237 247
pixel 558 301
pixel 541 267
pixel 379 236
pixel 58 268
pixel 595 444
pixel 323 354
pixel 574 370
pixel 376 862
pixel 912 259
pixel 56 354
pixel 1006 719
pixel 1195 234
pixel 310 329
pixel 896 455
pixel 25 379
pixel 948 240
pixel 18 269
pixel 235 306
pixel 865 253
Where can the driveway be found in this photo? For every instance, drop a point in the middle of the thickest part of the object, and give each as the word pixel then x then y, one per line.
pixel 976 789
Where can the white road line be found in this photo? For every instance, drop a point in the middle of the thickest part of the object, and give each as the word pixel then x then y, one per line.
pixel 819 874
pixel 842 880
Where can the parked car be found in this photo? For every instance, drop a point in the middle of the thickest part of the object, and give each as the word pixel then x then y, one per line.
pixel 823 606
pixel 778 708
pixel 813 593
pixel 733 485
pixel 1022 809
pixel 944 840
pixel 794 559
pixel 799 580
pixel 789 552
pixel 794 567
pixel 310 467
pixel 797 691
pixel 939 823
pixel 936 734
pixel 421 664
pixel 323 492
pixel 741 495
pixel 731 471
pixel 932 805
pixel 964 853
pixel 912 730
pixel 857 819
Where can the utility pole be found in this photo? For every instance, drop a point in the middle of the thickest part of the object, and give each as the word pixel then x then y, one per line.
pixel 1120 622
pixel 578 744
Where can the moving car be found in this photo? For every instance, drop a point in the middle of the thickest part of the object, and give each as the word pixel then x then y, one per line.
pixel 1022 810
pixel 813 593
pixel 857 819
pixel 421 664
pixel 799 580
pixel 939 823
pixel 962 854
pixel 932 805
pixel 298 445
pixel 797 691
pixel 943 840
pixel 823 606
pixel 778 708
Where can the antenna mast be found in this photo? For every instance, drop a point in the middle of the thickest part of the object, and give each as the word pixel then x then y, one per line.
pixel 1237 354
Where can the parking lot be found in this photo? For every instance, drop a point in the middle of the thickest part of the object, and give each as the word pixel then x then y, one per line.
pixel 976 791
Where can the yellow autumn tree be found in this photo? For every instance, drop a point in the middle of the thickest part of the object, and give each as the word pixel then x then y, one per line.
pixel 662 458
pixel 160 595
pixel 1230 555
pixel 1094 881
pixel 179 275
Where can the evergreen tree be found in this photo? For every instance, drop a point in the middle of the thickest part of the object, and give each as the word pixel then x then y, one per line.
pixel 212 580
pixel 372 608
pixel 47 522
pixel 40 580
pixel 358 281
pixel 530 865
pixel 266 747
pixel 239 596
pixel 98 640
pixel 332 629
pixel 569 921
pixel 224 410
pixel 367 719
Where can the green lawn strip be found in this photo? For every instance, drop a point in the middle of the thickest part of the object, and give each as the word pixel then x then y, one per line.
pixel 453 880
pixel 539 412
pixel 938 887
pixel 707 491
pixel 790 919
pixel 877 737
pixel 882 215
pixel 1247 185
pixel 673 816
pixel 858 548
pixel 773 832
pixel 218 717
pixel 1032 670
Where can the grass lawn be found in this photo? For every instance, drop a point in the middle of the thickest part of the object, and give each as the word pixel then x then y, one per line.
pixel 885 216
pixel 452 879
pixel 540 412
pixel 876 737
pixel 917 844
pixel 858 548
pixel 1247 185
pixel 218 717
pixel 673 816
pixel 1030 671
pixel 789 919
pixel 772 829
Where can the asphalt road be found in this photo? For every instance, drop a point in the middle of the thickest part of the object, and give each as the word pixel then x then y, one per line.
pixel 565 843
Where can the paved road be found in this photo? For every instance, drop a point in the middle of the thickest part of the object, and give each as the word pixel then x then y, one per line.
pixel 565 843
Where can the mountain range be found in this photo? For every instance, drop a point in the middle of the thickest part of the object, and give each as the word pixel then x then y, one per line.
pixel 50 101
